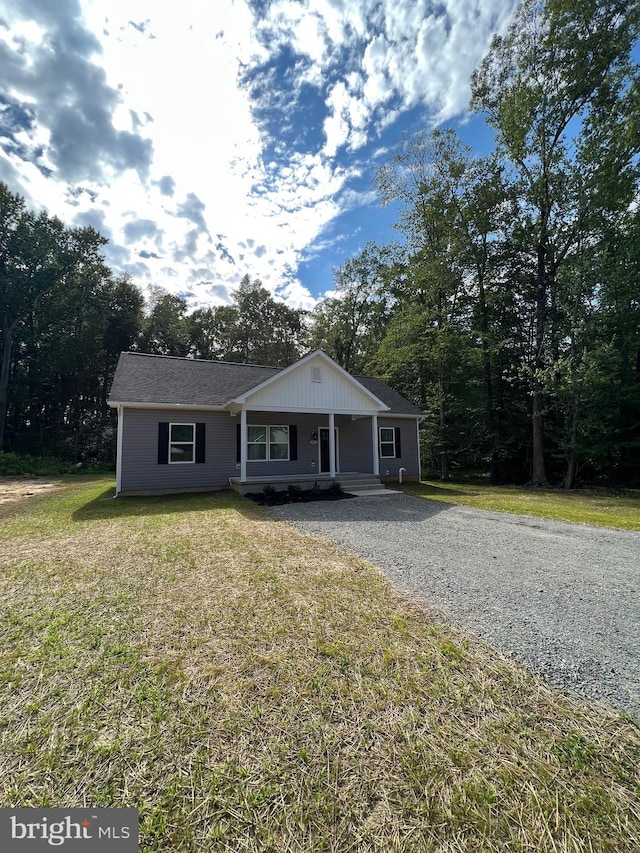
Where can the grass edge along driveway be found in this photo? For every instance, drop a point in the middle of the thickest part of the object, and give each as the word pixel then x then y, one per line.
pixel 599 507
pixel 250 688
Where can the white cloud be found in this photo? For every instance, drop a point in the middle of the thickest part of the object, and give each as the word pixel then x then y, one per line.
pixel 149 125
pixel 408 51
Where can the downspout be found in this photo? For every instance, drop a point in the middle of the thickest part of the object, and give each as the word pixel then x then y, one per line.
pixel 400 473
pixel 119 451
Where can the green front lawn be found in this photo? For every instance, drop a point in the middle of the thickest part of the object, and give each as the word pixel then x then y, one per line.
pixel 250 688
pixel 599 507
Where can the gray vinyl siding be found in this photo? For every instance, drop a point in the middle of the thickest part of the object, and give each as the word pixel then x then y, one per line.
pixel 140 468
pixel 141 471
pixel 409 448
pixel 355 445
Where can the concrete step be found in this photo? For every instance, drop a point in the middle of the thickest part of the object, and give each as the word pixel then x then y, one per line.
pixel 350 478
pixel 364 486
pixel 365 493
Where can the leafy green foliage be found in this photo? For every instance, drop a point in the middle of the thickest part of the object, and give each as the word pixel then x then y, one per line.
pixel 14 465
pixel 350 326
pixel 39 259
pixel 556 90
pixel 165 331
pixel 255 329
pixel 511 313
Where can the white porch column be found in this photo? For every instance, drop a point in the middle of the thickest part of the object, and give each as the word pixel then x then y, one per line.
pixel 243 445
pixel 374 442
pixel 332 445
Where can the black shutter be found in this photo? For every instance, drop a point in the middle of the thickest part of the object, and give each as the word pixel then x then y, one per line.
pixel 398 445
pixel 293 442
pixel 238 439
pixel 163 443
pixel 200 433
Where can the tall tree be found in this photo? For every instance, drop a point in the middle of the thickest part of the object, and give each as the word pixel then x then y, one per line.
pixel 124 320
pixel 450 209
pixel 37 255
pixel 596 380
pixel 556 71
pixel 65 355
pixel 212 332
pixel 267 330
pixel 165 330
pixel 255 329
pixel 350 325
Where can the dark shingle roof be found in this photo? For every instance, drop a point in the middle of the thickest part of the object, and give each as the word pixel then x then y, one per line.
pixel 398 404
pixel 142 378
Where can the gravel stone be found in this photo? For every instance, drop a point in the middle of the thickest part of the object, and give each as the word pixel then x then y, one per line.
pixel 563 599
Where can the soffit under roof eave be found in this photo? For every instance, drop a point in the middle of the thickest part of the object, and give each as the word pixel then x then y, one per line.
pixel 184 407
pixel 236 407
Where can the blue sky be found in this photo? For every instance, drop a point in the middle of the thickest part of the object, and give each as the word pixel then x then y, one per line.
pixel 208 140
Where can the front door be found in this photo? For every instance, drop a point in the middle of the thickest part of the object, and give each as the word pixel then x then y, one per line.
pixel 323 441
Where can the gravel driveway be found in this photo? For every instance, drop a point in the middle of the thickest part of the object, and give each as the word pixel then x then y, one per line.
pixel 563 599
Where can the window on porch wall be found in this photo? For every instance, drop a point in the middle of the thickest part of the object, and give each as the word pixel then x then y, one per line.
pixel 267 443
pixel 279 442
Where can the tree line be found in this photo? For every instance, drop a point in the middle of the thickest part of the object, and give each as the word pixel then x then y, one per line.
pixel 507 309
pixel 65 319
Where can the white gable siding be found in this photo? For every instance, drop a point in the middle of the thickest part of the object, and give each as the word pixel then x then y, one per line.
pixel 299 390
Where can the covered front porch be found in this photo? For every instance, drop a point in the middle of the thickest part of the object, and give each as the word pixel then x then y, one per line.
pixel 292 447
pixel 313 425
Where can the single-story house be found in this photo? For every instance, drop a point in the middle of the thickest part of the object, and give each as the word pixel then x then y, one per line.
pixel 191 425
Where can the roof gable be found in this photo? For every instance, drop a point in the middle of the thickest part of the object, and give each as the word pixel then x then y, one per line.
pixel 315 383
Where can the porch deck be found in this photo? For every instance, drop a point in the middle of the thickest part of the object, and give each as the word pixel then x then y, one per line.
pixel 303 481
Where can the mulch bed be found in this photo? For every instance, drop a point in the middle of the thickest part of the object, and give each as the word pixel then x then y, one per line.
pixel 302 496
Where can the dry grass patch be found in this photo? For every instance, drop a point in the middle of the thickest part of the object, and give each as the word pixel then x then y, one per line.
pixel 14 489
pixel 250 688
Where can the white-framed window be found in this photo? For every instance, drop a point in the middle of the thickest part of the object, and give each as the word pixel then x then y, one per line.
pixel 182 443
pixel 387 443
pixel 267 443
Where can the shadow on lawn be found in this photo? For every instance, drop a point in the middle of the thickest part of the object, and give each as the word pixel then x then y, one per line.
pixel 106 506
